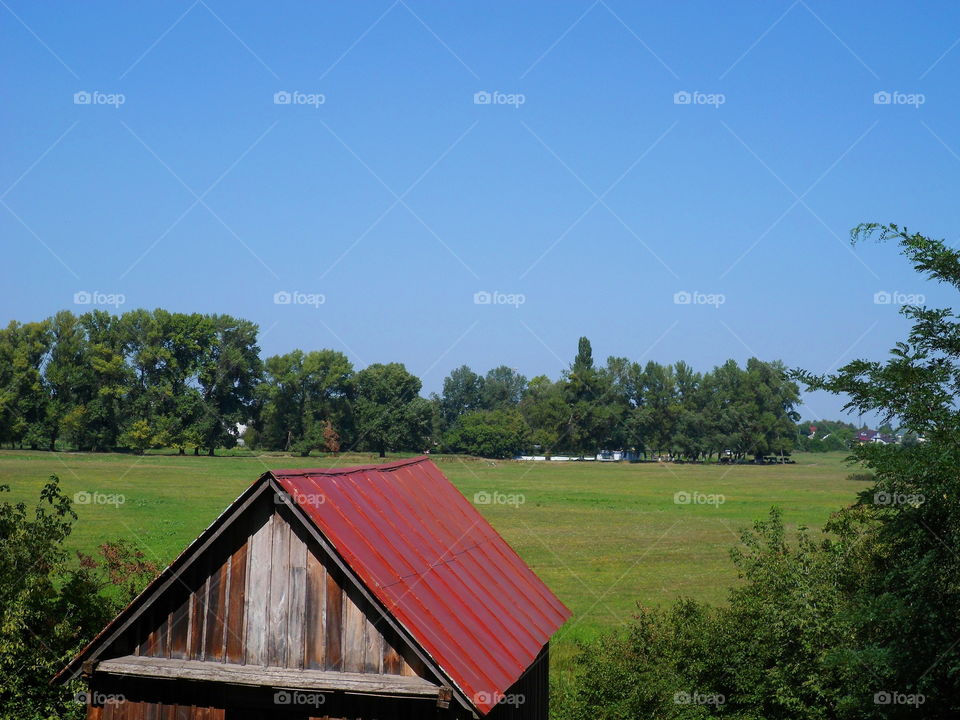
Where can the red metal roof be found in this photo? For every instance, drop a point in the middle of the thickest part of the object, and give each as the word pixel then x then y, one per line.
pixel 437 566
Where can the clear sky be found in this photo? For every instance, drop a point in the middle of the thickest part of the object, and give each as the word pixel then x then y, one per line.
pixel 586 192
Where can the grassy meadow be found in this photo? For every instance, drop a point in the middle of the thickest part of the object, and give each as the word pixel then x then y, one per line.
pixel 602 535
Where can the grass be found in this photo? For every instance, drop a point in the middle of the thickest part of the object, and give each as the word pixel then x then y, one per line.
pixel 603 536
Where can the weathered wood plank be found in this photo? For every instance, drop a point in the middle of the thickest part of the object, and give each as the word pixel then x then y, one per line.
pixel 392 660
pixel 235 601
pixel 213 623
pixel 279 593
pixel 257 597
pixel 297 601
pixel 198 606
pixel 333 653
pixel 315 610
pixel 179 629
pixel 373 647
pixel 353 640
pixel 138 666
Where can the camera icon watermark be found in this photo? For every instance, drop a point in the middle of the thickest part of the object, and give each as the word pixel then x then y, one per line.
pixel 85 497
pixel 895 97
pixel 95 97
pixel 295 97
pixel 894 499
pixel 295 297
pixel 682 697
pixel 892 697
pixel 484 297
pixel 299 498
pixel 682 497
pixel 492 697
pixel 883 297
pixel 485 497
pixel 99 699
pixel 684 297
pixel 296 697
pixel 484 97
pixel 85 297
pixel 685 97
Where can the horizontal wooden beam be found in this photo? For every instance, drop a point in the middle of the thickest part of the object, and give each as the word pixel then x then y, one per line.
pixel 274 677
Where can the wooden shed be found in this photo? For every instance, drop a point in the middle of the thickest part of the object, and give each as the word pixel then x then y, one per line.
pixel 374 591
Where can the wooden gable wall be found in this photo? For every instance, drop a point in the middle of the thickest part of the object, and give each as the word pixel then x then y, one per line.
pixel 266 594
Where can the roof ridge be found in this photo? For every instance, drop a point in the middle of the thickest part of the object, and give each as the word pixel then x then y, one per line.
pixel 350 469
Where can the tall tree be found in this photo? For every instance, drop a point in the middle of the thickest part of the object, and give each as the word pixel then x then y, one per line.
pixel 502 388
pixel 302 392
pixel 69 377
pixel 908 592
pixel 23 404
pixel 462 393
pixel 103 415
pixel 390 414
pixel 546 413
pixel 229 372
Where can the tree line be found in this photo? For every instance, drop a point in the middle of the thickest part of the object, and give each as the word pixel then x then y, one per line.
pixel 148 379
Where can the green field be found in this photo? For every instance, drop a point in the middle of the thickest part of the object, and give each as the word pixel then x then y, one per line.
pixel 602 536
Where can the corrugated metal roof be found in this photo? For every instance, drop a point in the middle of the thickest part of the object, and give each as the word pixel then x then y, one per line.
pixel 437 566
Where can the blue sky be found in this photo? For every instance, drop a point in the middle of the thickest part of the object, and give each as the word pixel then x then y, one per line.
pixel 583 189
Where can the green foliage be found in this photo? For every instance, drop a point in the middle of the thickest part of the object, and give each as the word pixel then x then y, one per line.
pixel 389 412
pixel 863 623
pixel 774 652
pixel 489 433
pixel 50 608
pixel 299 393
pixel 153 379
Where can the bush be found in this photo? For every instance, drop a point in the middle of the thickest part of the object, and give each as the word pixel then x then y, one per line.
pixel 492 434
pixel 776 652
pixel 50 609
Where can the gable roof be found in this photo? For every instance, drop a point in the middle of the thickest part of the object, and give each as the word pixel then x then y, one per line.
pixel 440 574
pixel 436 565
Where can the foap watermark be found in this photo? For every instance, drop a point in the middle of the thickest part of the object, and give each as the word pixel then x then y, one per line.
pixel 895 97
pixel 498 498
pixel 685 97
pixel 98 698
pixel 882 297
pixel 295 97
pixel 493 697
pixel 85 497
pixel 95 97
pixel 684 297
pixel 286 297
pixel 295 697
pixel 682 697
pixel 85 297
pixel 892 697
pixel 893 499
pixel 485 97
pixel 483 297
pixel 683 497
pixel 300 498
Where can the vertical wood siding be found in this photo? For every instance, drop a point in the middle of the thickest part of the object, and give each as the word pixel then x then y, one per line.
pixel 265 594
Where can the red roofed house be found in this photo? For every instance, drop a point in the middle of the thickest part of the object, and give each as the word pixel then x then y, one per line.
pixel 375 591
